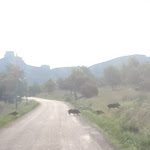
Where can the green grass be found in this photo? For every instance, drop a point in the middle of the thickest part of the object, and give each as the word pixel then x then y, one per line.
pixel 127 127
pixel 6 108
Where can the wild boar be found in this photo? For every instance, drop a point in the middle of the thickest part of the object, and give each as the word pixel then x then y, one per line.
pixel 99 112
pixel 115 105
pixel 73 111
pixel 14 113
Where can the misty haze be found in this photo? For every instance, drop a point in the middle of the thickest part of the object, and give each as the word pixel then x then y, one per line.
pixel 74 75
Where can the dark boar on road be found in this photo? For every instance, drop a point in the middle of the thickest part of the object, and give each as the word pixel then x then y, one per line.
pixel 73 111
pixel 115 105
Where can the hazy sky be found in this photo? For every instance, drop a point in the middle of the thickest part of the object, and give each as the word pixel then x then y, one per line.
pixel 63 33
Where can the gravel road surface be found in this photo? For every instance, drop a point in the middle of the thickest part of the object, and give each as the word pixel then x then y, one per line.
pixel 50 127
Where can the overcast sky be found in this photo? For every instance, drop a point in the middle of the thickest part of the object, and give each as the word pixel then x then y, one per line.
pixel 63 33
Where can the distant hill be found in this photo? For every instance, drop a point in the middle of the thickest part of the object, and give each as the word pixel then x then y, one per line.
pixel 98 69
pixel 33 74
pixel 43 73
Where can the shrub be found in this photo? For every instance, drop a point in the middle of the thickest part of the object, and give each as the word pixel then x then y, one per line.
pixel 89 90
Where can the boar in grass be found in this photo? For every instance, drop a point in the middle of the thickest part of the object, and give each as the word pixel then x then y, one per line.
pixel 73 111
pixel 99 112
pixel 115 105
pixel 13 113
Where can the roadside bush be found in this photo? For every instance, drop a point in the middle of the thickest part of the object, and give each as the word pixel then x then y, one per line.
pixel 89 90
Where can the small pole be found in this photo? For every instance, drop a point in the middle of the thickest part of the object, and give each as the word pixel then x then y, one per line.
pixel 27 96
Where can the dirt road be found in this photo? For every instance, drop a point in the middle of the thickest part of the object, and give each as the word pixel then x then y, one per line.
pixel 49 127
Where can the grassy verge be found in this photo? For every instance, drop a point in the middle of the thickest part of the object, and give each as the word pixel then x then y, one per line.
pixel 6 108
pixel 127 127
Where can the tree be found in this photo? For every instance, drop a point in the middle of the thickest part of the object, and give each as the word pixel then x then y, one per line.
pixel 88 90
pixel 76 80
pixel 133 62
pixel 145 71
pixel 11 82
pixel 90 77
pixel 112 76
pixel 101 82
pixel 49 86
pixel 10 86
pixel 134 76
pixel 22 88
pixel 144 85
pixel 34 89
pixel 2 85
pixel 131 72
pixel 61 84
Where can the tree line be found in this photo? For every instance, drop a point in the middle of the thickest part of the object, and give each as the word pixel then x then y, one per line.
pixel 133 74
pixel 13 84
pixel 81 81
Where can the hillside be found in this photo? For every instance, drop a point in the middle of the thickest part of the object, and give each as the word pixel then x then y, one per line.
pixel 43 73
pixel 33 74
pixel 98 69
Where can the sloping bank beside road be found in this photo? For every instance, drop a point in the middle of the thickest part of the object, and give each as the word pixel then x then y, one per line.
pixel 127 127
pixel 7 108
